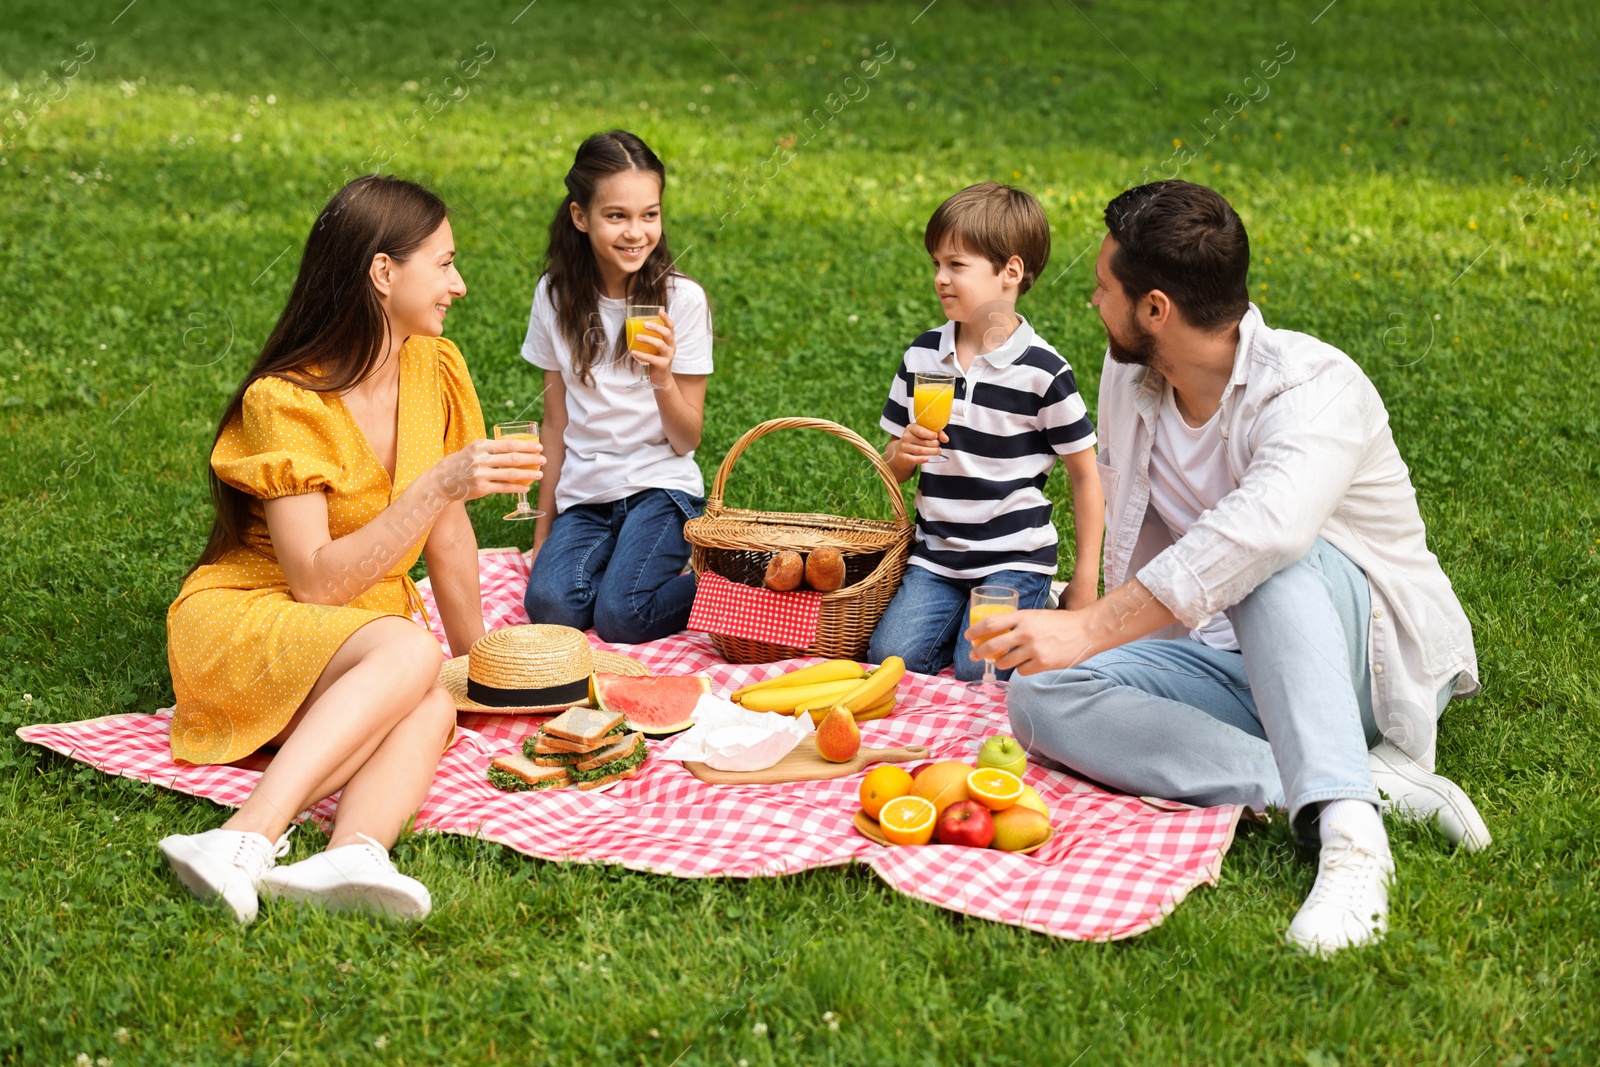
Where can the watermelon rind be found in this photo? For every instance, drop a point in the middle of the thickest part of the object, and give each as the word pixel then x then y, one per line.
pixel 632 715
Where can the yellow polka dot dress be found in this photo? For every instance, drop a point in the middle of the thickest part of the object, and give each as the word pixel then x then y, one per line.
pixel 243 652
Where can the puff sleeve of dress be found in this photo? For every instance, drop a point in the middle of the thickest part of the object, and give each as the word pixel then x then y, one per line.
pixel 281 445
pixel 463 418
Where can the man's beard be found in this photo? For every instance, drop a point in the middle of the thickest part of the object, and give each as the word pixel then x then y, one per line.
pixel 1141 352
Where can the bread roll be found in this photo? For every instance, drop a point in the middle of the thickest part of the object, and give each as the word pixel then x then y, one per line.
pixel 825 570
pixel 785 571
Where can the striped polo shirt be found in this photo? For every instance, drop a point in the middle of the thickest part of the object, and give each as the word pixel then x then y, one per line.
pixel 1015 411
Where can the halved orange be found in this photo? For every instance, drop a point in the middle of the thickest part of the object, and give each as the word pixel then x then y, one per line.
pixel 907 821
pixel 995 789
pixel 881 785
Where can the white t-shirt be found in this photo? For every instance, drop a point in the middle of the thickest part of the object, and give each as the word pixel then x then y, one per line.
pixel 1188 477
pixel 615 443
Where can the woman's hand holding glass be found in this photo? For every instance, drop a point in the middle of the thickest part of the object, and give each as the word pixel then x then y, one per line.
pixel 486 467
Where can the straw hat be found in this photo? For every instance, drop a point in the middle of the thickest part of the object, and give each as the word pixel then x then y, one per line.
pixel 530 670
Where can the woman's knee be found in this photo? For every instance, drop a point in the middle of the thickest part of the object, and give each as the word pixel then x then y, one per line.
pixel 1043 706
pixel 406 653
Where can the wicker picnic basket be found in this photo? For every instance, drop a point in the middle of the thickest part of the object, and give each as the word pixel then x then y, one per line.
pixel 738 543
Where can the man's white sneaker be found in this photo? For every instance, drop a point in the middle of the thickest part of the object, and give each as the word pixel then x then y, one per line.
pixel 1349 904
pixel 351 877
pixel 224 864
pixel 1410 792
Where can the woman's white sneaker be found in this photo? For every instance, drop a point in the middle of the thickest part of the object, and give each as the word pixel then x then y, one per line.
pixel 350 878
pixel 1409 792
pixel 1349 904
pixel 225 865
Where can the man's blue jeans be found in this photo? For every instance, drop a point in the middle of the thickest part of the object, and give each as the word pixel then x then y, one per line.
pixel 617 567
pixel 927 620
pixel 1286 722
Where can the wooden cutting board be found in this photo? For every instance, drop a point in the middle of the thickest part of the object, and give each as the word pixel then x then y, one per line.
pixel 804 765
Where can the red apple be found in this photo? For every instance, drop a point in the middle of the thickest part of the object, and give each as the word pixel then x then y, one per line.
pixel 966 822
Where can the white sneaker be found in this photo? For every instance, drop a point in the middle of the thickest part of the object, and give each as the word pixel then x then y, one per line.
pixel 350 878
pixel 226 864
pixel 1412 793
pixel 1349 904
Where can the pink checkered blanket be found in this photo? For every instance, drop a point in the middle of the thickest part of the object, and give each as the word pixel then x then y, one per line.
pixel 1116 866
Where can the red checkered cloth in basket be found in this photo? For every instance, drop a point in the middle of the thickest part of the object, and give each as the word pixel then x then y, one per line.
pixel 1116 866
pixel 734 610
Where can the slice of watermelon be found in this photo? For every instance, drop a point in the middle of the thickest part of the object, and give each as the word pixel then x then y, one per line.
pixel 657 705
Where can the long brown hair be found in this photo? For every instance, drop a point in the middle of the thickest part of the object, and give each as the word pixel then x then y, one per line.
pixel 569 259
pixel 333 331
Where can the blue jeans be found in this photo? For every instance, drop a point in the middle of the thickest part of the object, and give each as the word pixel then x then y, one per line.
pixel 617 567
pixel 1285 722
pixel 927 620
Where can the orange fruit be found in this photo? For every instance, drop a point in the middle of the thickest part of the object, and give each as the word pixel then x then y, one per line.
pixel 943 783
pixel 881 785
pixel 907 821
pixel 995 789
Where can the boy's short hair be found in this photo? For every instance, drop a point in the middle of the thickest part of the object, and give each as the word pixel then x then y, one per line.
pixel 996 222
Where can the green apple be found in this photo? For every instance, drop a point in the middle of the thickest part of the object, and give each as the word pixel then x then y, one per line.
pixel 1003 753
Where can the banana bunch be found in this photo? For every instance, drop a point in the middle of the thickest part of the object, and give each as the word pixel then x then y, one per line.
pixel 816 689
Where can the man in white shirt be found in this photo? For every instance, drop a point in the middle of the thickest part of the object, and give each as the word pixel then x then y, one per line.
pixel 1254 497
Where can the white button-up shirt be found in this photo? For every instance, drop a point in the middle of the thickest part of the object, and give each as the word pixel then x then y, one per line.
pixel 1309 445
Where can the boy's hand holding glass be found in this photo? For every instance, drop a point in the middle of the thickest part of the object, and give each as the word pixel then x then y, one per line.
pixel 648 329
pixel 921 445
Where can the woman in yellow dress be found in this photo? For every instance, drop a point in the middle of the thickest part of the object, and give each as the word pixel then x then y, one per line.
pixel 348 451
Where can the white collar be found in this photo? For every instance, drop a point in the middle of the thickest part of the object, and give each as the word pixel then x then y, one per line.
pixel 1021 339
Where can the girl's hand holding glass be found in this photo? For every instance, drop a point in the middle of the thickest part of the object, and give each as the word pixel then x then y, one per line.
pixel 649 334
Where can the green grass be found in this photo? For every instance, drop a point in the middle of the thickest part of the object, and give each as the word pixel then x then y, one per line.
pixel 151 224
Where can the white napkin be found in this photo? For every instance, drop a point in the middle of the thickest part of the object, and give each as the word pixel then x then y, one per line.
pixel 730 738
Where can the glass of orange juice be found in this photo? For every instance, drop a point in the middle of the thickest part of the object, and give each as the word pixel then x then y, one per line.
pixel 519 431
pixel 990 600
pixel 636 317
pixel 932 397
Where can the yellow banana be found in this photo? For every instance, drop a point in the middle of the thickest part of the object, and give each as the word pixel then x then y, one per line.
pixel 880 711
pixel 788 698
pixel 835 670
pixel 877 711
pixel 878 686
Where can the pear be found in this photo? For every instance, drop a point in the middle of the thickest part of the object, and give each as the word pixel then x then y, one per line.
pixel 838 736
pixel 1018 827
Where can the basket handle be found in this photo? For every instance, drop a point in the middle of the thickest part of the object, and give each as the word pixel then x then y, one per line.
pixel 755 433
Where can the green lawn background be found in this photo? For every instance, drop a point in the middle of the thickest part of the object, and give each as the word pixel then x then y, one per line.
pixel 1419 183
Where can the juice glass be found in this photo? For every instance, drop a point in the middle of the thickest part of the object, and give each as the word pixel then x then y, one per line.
pixel 519 431
pixel 635 318
pixel 932 397
pixel 990 600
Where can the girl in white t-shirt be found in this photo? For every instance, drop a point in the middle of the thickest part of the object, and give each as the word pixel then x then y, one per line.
pixel 619 474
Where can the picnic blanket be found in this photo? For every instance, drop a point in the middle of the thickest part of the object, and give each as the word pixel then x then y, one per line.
pixel 1116 867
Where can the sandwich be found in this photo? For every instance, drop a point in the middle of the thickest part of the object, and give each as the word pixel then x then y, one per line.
pixel 586 747
pixel 570 736
pixel 515 774
pixel 620 759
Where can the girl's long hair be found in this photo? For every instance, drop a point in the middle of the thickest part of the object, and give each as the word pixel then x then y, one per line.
pixel 333 331
pixel 569 260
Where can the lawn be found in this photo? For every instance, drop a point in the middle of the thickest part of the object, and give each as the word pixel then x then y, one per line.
pixel 1419 181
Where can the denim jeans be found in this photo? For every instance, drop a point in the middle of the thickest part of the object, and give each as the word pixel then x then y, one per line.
pixel 927 619
pixel 617 567
pixel 1285 722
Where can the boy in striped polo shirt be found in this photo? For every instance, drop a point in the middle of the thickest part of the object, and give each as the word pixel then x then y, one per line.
pixel 982 516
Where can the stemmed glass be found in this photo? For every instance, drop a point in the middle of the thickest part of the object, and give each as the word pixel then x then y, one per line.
pixel 519 431
pixel 636 318
pixel 990 600
pixel 932 397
